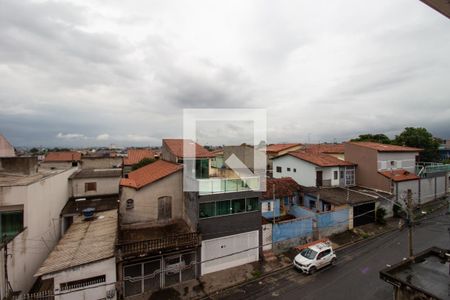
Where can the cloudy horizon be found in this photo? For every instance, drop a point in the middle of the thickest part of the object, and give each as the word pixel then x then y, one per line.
pixel 82 73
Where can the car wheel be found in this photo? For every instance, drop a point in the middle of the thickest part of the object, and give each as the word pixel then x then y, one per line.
pixel 312 270
pixel 333 261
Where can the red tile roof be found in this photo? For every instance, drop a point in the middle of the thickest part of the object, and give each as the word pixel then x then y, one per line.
pixel 275 148
pixel 62 156
pixel 175 146
pixel 150 173
pixel 284 187
pixel 136 155
pixel 399 175
pixel 325 148
pixel 320 159
pixel 385 147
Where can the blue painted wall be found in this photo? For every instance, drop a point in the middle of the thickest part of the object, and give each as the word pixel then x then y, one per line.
pixel 275 212
pixel 300 212
pixel 307 201
pixel 331 222
pixel 292 229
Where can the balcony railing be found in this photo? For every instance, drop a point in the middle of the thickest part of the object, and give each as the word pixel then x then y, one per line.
pixel 228 185
pixel 139 248
pixel 428 168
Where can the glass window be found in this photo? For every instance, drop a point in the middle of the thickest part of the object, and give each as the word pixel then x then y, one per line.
pixel 223 207
pixel 295 170
pixel 252 204
pixel 11 223
pixel 237 206
pixel 207 210
pixel 278 169
pixel 201 168
pixel 335 175
pixel 288 169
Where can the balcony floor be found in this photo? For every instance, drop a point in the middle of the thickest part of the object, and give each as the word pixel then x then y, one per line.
pixel 152 232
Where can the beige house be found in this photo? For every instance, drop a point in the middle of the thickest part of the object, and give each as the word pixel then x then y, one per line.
pixel 95 182
pixel 155 231
pixel 31 200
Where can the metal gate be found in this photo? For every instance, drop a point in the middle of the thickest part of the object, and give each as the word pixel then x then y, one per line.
pixel 267 236
pixel 363 214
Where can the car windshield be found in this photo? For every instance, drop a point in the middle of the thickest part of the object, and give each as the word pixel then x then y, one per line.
pixel 308 253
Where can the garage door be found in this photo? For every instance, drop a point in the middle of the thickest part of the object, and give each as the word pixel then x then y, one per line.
pixel 230 251
pixel 363 214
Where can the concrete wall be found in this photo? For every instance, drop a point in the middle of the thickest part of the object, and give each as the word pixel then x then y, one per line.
pixel 291 233
pixel 42 202
pixel 105 267
pixel 146 200
pixel 57 165
pixel 305 172
pixel 167 155
pixel 100 162
pixel 402 160
pixel 221 226
pixel 19 165
pixel 432 188
pixel 105 186
pixel 367 170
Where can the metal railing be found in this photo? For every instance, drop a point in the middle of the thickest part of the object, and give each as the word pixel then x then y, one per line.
pixel 185 240
pixel 430 167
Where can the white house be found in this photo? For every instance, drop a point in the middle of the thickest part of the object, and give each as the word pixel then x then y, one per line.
pixel 31 200
pixel 314 169
pixel 83 265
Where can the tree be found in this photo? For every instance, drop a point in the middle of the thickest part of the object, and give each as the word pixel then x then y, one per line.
pixel 377 138
pixel 420 138
pixel 143 162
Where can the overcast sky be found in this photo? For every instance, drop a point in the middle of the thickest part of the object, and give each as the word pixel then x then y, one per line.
pixel 101 72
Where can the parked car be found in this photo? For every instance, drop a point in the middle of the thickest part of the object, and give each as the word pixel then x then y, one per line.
pixel 314 256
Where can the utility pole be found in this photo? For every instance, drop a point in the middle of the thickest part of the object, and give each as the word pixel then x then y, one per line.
pixel 410 223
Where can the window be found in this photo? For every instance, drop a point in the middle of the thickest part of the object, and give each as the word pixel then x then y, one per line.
pixel 82 283
pixel 207 210
pixel 295 170
pixel 252 204
pixel 335 175
pixel 288 169
pixel 164 208
pixel 11 223
pixel 267 206
pixel 90 186
pixel 223 207
pixel 130 203
pixel 278 169
pixel 237 206
pixel 201 168
pixel 323 254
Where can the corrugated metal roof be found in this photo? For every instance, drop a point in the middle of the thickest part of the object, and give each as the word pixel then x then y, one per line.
pixel 84 242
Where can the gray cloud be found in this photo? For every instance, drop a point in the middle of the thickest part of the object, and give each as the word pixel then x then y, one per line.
pixel 95 73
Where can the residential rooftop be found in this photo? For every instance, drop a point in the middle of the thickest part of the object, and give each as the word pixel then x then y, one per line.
pixel 275 148
pixel 193 150
pixel 99 202
pixel 150 173
pixel 320 159
pixel 13 179
pixel 427 273
pixel 84 242
pixel 341 196
pixel 63 156
pixel 96 173
pixel 145 232
pixel 325 148
pixel 399 175
pixel 284 187
pixel 386 147
pixel 136 155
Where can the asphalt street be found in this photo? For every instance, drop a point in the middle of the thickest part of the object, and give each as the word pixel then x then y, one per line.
pixel 356 275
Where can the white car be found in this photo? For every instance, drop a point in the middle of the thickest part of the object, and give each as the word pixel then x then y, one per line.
pixel 315 256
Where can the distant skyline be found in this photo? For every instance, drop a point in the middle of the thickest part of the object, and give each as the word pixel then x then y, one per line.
pixel 95 73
